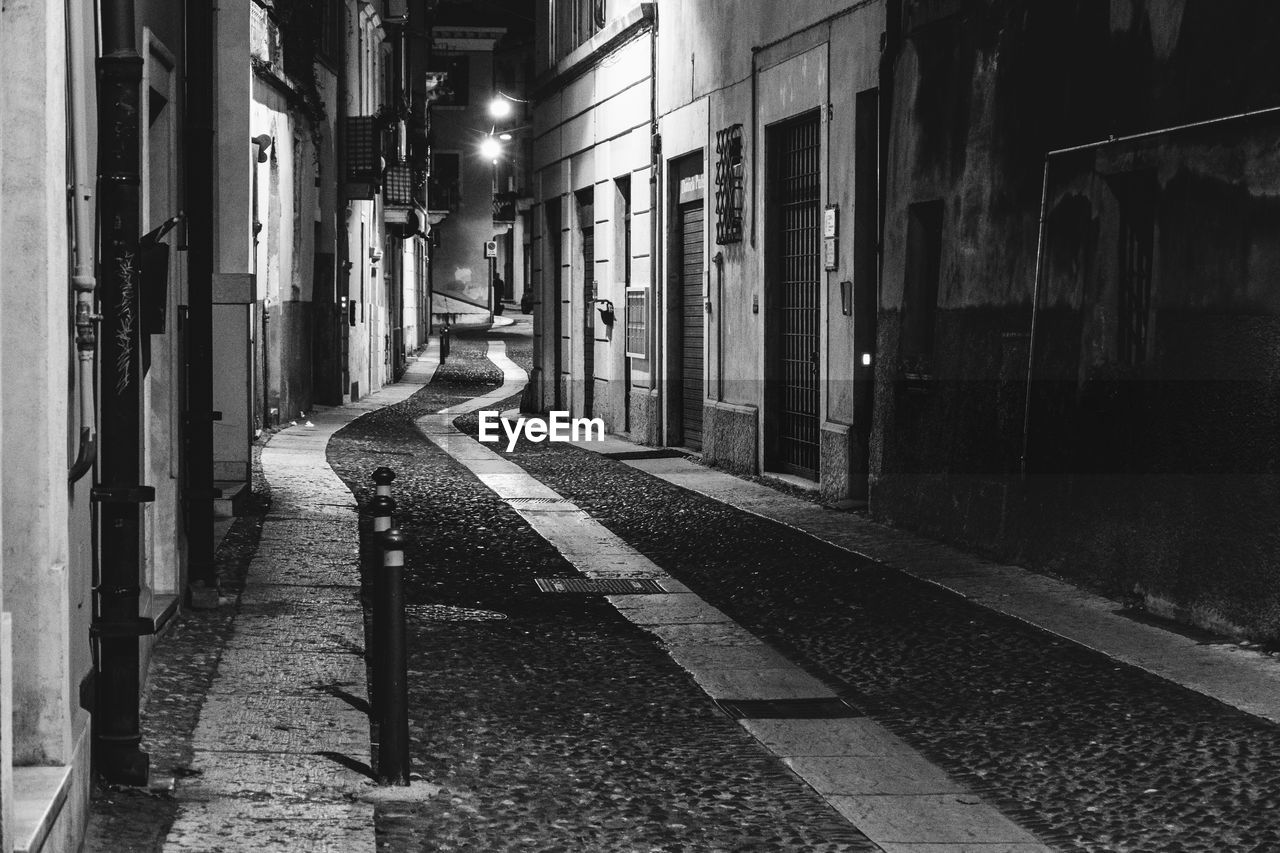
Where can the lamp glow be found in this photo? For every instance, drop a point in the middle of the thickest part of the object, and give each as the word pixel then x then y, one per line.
pixel 490 148
pixel 500 107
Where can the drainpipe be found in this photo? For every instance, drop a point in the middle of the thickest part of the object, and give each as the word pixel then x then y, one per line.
pixel 1044 206
pixel 117 628
pixel 82 218
pixel 202 581
pixel 656 207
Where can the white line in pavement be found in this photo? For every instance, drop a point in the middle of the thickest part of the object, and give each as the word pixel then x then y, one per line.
pixel 880 784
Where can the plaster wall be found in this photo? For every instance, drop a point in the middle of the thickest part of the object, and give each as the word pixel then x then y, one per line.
pixel 818 57
pixel 235 158
pixel 34 359
pixel 589 133
pixel 1132 460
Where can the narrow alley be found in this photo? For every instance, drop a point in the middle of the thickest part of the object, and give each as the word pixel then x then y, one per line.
pixel 780 692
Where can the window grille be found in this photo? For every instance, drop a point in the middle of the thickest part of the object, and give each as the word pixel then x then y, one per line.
pixel 363 149
pixel 400 183
pixel 637 303
pixel 729 177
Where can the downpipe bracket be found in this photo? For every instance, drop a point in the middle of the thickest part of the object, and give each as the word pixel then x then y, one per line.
pixel 123 494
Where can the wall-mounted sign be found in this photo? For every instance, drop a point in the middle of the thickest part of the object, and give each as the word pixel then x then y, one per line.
pixel 829 253
pixel 491 248
pixel 830 220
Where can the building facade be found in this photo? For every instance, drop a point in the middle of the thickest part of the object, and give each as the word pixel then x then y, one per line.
pixel 464 181
pixel 595 329
pixel 1092 395
pixel 236 248
pixel 818 242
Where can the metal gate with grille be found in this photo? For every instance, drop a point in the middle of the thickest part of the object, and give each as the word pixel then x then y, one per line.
pixel 691 218
pixel 795 193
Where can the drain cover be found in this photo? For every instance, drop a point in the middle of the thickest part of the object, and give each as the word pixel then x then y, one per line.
pixel 536 501
pixel 601 586
pixel 646 454
pixel 787 709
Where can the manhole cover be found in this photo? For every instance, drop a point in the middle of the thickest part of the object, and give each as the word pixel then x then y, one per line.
pixel 787 709
pixel 446 613
pixel 601 586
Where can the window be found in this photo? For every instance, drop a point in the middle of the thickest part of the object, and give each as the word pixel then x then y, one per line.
pixel 330 30
pixel 729 169
pixel 444 190
pixel 456 89
pixel 920 294
pixel 574 22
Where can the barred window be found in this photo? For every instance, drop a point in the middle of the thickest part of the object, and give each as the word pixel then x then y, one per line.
pixel 729 179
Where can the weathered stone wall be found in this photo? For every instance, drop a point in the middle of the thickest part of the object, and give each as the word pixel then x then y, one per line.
pixel 1151 468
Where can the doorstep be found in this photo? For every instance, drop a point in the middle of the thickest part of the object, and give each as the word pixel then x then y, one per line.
pixel 39 795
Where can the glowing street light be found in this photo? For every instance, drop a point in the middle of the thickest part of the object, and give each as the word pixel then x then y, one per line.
pixel 490 148
pixel 500 107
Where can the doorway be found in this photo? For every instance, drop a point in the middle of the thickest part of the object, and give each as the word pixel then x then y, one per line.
pixel 687 300
pixel 793 321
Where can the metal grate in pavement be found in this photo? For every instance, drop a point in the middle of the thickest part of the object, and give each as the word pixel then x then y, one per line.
pixel 601 586
pixel 787 709
pixel 646 454
pixel 536 501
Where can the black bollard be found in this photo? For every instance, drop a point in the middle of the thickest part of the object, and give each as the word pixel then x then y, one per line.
pixel 390 667
pixel 383 477
pixel 383 508
pixel 444 343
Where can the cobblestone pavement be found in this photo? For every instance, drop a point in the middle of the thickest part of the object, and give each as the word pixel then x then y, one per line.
pixel 1094 755
pixel 550 721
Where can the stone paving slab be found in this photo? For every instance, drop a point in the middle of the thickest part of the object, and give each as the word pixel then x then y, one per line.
pixel 283 722
pixel 675 609
pixel 850 736
pixel 259 669
pixel 764 683
pixel 230 825
pixel 754 657
pixel 896 773
pixel 947 819
pixel 289 777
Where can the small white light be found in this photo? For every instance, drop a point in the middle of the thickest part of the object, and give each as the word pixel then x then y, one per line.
pixel 866 359
pixel 505 137
pixel 490 148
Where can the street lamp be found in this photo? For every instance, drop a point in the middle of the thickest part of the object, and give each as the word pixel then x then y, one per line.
pixel 490 148
pixel 503 105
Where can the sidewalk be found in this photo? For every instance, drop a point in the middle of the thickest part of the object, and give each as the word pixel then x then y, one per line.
pixel 279 757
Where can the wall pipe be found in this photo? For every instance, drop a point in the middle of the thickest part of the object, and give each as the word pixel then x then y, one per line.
pixel 1040 237
pixel 83 282
pixel 117 628
pixel 657 251
pixel 199 494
